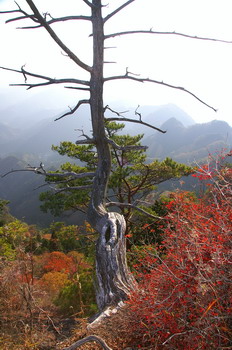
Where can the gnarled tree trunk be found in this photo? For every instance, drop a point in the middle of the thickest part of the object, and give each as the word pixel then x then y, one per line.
pixel 114 280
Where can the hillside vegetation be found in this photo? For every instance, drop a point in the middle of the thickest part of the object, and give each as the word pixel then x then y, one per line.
pixel 181 261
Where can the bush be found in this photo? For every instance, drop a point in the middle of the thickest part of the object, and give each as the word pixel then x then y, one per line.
pixel 184 301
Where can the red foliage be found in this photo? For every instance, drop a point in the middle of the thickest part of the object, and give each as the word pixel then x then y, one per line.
pixel 59 262
pixel 184 302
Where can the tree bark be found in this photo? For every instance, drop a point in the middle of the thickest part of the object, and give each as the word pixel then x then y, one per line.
pixel 114 280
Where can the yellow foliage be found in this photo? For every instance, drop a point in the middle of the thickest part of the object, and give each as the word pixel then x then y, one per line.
pixel 53 282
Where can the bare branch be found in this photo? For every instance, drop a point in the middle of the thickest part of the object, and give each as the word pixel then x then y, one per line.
pixel 142 80
pixel 16 171
pixel 166 33
pixel 53 20
pixel 132 206
pixel 125 148
pixel 19 18
pixel 77 88
pixel 118 9
pixel 50 80
pixel 139 114
pixel 37 17
pixel 88 3
pixel 88 339
pixel 122 119
pixel 25 15
pixel 113 111
pixel 73 110
pixel 88 140
pixel 41 171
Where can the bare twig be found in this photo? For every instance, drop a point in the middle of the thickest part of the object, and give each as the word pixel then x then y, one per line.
pixel 88 3
pixel 77 88
pixel 113 111
pixel 118 9
pixel 51 21
pixel 50 80
pixel 122 119
pixel 73 110
pixel 25 15
pixel 89 339
pixel 139 114
pixel 38 18
pixel 112 35
pixel 41 171
pixel 142 80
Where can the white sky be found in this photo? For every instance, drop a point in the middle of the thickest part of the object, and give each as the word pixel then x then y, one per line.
pixel 200 66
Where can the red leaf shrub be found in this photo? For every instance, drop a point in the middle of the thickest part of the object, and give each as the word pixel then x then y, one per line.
pixel 184 302
pixel 59 262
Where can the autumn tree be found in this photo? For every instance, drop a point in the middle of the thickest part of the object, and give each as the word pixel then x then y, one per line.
pixel 114 279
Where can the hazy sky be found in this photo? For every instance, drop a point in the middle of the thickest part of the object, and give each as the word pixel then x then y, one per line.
pixel 203 67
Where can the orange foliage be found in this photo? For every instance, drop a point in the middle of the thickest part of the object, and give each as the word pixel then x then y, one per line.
pixel 59 262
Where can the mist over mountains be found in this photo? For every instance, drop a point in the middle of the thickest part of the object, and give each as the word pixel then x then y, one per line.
pixel 189 144
pixel 26 136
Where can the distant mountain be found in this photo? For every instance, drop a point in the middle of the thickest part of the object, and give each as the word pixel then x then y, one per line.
pixel 37 138
pixel 187 144
pixel 19 189
pixel 22 189
pixel 7 134
pixel 160 114
pixel 36 132
pixel 157 116
pixel 184 141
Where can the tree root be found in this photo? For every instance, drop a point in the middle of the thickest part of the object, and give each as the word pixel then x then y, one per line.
pixel 88 339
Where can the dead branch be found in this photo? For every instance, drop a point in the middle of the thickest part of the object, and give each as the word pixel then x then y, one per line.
pixel 123 119
pixel 132 206
pixel 51 21
pixel 139 114
pixel 41 171
pixel 125 148
pixel 88 140
pixel 113 111
pixel 76 88
pixel 88 3
pixel 43 22
pixel 142 80
pixel 50 80
pixel 25 15
pixel 38 18
pixel 118 9
pixel 73 110
pixel 112 35
pixel 85 142
pixel 87 339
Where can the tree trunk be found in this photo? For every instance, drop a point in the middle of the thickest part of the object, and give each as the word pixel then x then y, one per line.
pixel 114 281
